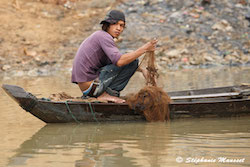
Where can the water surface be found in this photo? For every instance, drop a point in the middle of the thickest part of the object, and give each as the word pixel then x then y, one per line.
pixel 27 141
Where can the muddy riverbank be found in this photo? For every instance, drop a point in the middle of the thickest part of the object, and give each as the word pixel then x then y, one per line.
pixel 41 37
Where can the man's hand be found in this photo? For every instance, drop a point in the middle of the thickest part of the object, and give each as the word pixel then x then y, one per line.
pixel 129 57
pixel 150 46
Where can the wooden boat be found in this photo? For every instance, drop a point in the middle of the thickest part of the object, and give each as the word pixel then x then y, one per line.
pixel 211 102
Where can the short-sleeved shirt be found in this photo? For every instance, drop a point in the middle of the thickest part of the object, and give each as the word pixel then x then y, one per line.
pixel 97 51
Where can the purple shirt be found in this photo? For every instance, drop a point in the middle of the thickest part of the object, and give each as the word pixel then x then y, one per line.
pixel 96 51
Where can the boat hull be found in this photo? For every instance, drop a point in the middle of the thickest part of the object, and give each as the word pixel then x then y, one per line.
pixel 79 111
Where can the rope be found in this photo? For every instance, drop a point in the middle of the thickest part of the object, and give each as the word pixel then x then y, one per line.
pixel 92 112
pixel 144 57
pixel 151 70
pixel 67 105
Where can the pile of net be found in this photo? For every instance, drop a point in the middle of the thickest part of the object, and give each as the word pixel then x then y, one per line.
pixel 151 100
pixel 62 96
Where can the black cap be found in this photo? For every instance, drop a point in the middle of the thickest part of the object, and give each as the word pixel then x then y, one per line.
pixel 113 17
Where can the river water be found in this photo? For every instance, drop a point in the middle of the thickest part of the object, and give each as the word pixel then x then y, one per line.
pixel 27 141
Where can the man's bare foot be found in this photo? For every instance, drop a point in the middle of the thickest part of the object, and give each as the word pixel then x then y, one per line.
pixel 106 96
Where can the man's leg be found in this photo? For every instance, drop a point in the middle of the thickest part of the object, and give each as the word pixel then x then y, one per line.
pixel 122 79
pixel 113 79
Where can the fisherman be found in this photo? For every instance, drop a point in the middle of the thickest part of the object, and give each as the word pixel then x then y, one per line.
pixel 99 68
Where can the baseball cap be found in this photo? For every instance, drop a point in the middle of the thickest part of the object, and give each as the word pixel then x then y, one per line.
pixel 113 17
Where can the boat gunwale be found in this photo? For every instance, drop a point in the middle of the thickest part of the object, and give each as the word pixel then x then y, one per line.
pixel 126 104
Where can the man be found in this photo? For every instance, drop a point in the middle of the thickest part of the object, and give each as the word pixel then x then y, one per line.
pixel 99 69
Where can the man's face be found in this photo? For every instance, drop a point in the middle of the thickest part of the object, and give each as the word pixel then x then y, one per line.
pixel 115 30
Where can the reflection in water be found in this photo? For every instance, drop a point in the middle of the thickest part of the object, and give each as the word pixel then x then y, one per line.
pixel 212 139
pixel 135 144
pixel 130 144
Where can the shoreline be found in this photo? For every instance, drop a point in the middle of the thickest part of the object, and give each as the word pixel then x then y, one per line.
pixel 47 72
pixel 41 39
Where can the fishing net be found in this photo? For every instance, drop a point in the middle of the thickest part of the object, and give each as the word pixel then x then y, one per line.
pixel 151 100
pixel 152 73
pixel 62 96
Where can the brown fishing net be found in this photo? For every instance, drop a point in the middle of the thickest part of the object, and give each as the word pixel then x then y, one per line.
pixel 152 73
pixel 151 100
pixel 62 96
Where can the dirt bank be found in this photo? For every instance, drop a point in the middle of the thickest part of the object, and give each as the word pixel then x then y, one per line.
pixel 40 37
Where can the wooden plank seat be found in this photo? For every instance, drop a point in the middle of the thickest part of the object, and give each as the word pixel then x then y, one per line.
pixel 214 95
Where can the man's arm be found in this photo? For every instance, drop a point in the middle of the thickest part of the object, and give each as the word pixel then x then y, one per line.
pixel 129 57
